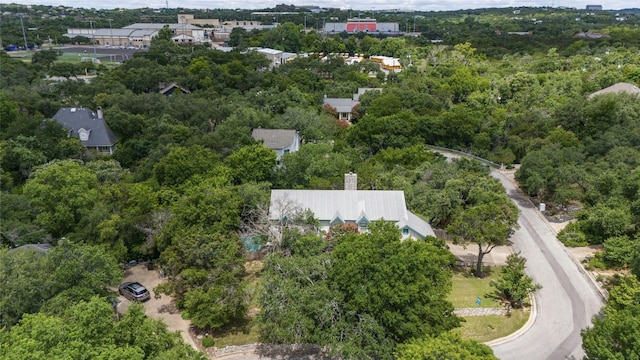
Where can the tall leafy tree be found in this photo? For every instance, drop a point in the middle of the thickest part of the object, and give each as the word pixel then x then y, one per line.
pixel 88 330
pixel 61 192
pixel 69 273
pixel 253 163
pixel 401 284
pixel 486 225
pixel 447 345
pixel 616 335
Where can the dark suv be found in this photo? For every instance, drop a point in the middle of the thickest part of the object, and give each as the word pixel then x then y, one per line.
pixel 134 291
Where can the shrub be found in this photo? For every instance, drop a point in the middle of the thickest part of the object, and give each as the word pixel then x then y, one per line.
pixel 597 262
pixel 618 251
pixel 207 342
pixel 572 236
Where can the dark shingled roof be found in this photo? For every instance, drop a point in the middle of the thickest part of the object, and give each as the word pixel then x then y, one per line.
pixel 75 119
pixel 275 139
pixel 41 248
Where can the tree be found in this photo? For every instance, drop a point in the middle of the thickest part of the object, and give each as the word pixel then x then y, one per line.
pixel 182 163
pixel 401 284
pixel 447 345
pixel 61 192
pixel 206 273
pixel 619 251
pixel 67 274
pixel 45 57
pixel 487 225
pixel 514 285
pixel 253 163
pixel 616 335
pixel 88 330
pixel 299 305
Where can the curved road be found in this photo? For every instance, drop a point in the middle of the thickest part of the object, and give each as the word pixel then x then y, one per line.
pixel 568 299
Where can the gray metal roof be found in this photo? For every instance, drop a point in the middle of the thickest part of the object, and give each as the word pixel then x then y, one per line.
pixel 335 27
pixel 114 32
pixel 275 139
pixel 350 204
pixel 143 32
pixel 418 225
pixel 342 105
pixel 158 26
pixel 75 119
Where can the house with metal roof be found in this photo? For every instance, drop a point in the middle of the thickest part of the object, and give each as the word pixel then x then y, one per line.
pixel 89 126
pixel 349 206
pixel 282 141
pixel 359 207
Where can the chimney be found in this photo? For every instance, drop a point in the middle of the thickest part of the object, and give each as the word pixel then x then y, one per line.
pixel 100 115
pixel 351 181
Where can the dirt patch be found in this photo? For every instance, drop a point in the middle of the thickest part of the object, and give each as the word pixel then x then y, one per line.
pixel 160 307
pixel 584 252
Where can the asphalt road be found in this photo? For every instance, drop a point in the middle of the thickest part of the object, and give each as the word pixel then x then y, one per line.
pixel 568 299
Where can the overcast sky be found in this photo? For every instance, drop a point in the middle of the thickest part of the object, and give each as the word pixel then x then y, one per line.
pixel 425 5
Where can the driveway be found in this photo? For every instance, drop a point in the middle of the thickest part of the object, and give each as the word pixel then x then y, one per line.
pixel 568 299
pixel 162 308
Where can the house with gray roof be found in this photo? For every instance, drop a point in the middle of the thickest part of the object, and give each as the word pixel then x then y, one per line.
pixel 359 207
pixel 617 88
pixel 344 106
pixel 282 141
pixel 89 126
pixel 350 206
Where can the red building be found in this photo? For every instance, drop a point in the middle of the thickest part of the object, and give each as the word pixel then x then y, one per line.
pixel 366 25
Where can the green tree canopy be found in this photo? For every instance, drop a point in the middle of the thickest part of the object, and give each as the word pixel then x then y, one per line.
pixel 61 192
pixel 401 284
pixel 616 335
pixel 447 345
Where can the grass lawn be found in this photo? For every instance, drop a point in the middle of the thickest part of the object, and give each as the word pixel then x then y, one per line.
pixel 241 333
pixel 467 288
pixel 490 327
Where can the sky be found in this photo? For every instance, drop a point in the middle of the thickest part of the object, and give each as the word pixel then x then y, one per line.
pixel 423 5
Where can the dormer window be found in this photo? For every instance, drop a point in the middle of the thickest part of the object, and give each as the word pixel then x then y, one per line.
pixel 337 218
pixel 363 222
pixel 84 134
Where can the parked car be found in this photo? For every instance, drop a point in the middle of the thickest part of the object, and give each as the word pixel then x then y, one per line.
pixel 134 291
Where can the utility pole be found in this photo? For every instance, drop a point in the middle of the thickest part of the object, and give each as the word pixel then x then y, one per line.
pixel 24 35
pixel 111 30
pixel 93 40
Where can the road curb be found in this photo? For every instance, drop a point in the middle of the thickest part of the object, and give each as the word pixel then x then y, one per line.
pixel 532 319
